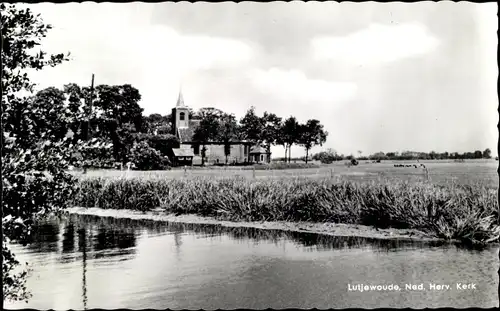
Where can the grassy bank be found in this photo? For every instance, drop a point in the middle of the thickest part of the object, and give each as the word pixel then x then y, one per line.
pixel 463 212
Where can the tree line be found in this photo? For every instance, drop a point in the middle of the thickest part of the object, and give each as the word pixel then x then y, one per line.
pixel 117 119
pixel 266 130
pixel 331 155
pixel 113 116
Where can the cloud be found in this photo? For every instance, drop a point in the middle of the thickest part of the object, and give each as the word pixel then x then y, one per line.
pixel 146 47
pixel 376 44
pixel 208 52
pixel 295 87
pixel 121 43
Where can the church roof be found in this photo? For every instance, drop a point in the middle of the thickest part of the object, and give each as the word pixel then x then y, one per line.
pixel 186 134
pixel 258 149
pixel 179 152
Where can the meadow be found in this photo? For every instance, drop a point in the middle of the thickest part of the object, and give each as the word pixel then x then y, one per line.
pixel 441 172
pixel 458 202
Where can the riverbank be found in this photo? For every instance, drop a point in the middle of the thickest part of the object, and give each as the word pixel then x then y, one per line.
pixel 309 227
pixel 451 212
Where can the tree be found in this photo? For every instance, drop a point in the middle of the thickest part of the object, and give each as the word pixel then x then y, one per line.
pixel 208 111
pixel 290 134
pixel 119 102
pixel 252 127
pixel 154 117
pixel 379 156
pixel 477 154
pixel 271 130
pixel 487 153
pixel 126 134
pixel 206 131
pixel 52 102
pixel 392 155
pixel 311 134
pixel 280 140
pixel 158 124
pixel 164 143
pixel 119 115
pixel 35 158
pixel 116 114
pixel 76 103
pixel 227 132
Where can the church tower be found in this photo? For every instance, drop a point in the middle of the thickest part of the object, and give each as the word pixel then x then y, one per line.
pixel 180 114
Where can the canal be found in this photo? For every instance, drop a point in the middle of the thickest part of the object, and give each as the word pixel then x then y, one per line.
pixel 83 262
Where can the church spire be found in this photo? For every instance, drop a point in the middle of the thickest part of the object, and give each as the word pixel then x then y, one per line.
pixel 180 100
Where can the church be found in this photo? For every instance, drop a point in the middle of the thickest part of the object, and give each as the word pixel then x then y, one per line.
pixel 189 152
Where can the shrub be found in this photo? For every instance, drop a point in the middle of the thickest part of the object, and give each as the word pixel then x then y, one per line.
pixel 147 158
pixel 162 142
pixel 327 157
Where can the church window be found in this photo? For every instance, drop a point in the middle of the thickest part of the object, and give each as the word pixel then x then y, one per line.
pixel 182 116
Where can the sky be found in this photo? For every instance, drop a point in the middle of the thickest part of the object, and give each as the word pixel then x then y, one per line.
pixel 379 76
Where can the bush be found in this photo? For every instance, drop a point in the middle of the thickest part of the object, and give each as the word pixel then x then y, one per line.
pixel 327 157
pixel 163 142
pixel 147 158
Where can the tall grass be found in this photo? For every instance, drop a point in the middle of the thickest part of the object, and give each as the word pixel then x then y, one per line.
pixel 453 211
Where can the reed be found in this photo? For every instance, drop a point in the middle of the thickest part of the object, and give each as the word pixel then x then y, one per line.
pixel 452 211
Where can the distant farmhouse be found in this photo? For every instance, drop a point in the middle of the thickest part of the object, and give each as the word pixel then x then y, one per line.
pixel 189 151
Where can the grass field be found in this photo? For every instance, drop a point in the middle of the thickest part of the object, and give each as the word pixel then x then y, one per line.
pixel 482 172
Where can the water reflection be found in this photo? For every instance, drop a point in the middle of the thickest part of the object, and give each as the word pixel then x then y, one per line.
pixel 316 242
pixel 45 237
pixel 104 238
pixel 111 239
pixel 120 235
pixel 82 247
pixel 75 246
pixel 68 242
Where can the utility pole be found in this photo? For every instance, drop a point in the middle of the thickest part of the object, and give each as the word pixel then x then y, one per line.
pixel 90 107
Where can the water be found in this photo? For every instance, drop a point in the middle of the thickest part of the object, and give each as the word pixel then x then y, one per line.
pixel 89 262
